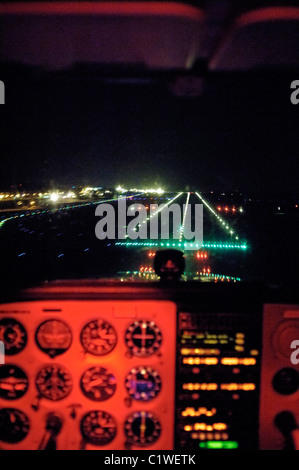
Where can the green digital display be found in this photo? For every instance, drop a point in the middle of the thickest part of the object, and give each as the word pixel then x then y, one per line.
pixel 219 445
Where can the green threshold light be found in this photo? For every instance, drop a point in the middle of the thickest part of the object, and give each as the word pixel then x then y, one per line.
pixel 221 245
pixel 219 445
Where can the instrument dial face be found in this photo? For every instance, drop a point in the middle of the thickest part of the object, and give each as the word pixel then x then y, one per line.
pixel 142 428
pixel 14 425
pixel 13 335
pixel 143 383
pixel 98 384
pixel 143 338
pixel 53 382
pixel 13 382
pixel 98 428
pixel 53 337
pixel 286 381
pixel 98 337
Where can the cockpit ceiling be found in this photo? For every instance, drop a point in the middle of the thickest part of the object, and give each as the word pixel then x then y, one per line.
pixel 261 38
pixel 155 35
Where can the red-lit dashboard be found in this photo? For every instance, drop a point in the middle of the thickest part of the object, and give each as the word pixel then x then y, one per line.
pixel 121 367
pixel 103 369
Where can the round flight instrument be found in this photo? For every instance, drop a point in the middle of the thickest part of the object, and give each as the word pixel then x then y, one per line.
pixel 13 335
pixel 142 428
pixel 286 381
pixel 14 425
pixel 283 336
pixel 13 382
pixel 98 427
pixel 53 382
pixel 98 384
pixel 143 338
pixel 143 383
pixel 98 337
pixel 53 337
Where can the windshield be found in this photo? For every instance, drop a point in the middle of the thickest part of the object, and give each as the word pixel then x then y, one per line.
pixel 86 142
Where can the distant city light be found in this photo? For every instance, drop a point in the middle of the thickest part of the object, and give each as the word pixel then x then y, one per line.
pixel 54 197
pixel 70 194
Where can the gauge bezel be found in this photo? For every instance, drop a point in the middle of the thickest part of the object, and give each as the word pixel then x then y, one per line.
pixel 132 438
pixel 53 352
pixel 7 366
pixel 23 333
pixel 140 351
pixel 87 437
pixel 144 396
pixel 87 349
pixel 97 369
pixel 25 421
pixel 69 379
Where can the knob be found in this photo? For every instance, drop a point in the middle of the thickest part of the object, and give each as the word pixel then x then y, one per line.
pixel 53 428
pixel 286 381
pixel 286 423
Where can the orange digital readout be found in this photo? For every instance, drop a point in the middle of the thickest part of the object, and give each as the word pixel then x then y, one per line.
pixel 201 411
pixel 200 386
pixel 205 427
pixel 200 352
pixel 238 361
pixel 235 386
pixel 195 361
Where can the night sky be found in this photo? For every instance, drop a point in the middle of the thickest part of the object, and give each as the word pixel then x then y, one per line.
pixel 241 133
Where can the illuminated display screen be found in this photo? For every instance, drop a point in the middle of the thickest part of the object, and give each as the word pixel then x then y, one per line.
pixel 203 340
pixel 219 381
pixel 219 445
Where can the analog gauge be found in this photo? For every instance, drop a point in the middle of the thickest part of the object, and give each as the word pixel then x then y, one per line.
pixel 98 337
pixel 143 383
pixel 98 384
pixel 286 381
pixel 53 337
pixel 13 382
pixel 143 338
pixel 98 428
pixel 13 335
pixel 142 428
pixel 14 425
pixel 53 382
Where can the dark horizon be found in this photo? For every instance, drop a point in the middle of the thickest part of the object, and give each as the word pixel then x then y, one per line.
pixel 55 185
pixel 241 133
